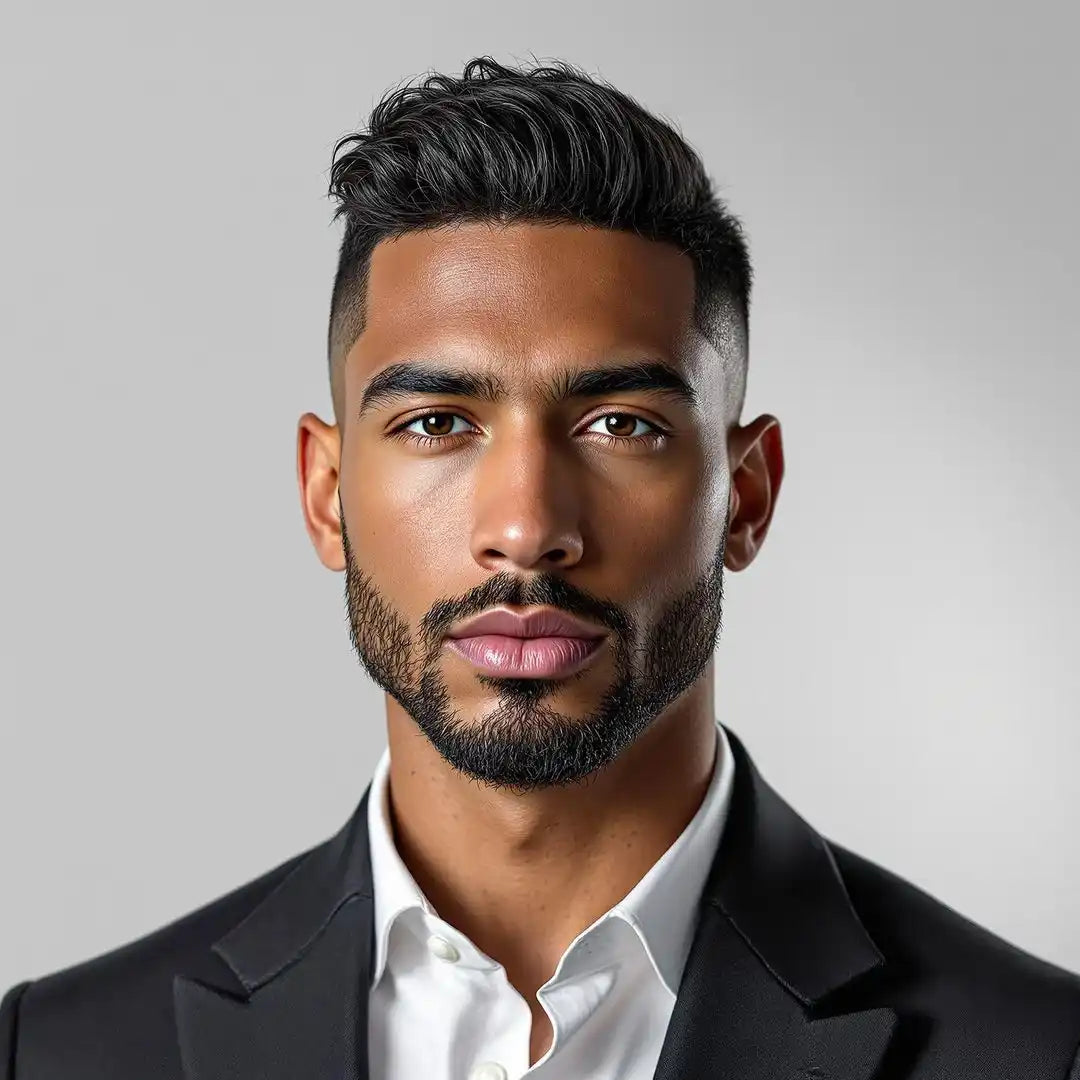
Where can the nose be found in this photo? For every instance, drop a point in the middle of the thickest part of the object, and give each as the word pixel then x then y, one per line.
pixel 526 507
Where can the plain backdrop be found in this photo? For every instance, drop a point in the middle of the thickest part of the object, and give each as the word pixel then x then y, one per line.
pixel 181 708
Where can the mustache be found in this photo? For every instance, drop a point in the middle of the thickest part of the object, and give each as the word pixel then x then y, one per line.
pixel 548 590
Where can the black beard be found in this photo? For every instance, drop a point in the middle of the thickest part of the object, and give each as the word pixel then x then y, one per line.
pixel 524 744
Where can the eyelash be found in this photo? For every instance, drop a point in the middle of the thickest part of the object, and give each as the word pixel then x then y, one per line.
pixel 653 438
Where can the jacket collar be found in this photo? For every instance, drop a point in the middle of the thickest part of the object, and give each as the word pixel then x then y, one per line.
pixel 776 880
pixel 289 983
pixel 280 930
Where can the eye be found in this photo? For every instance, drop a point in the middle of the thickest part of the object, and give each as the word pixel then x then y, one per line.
pixel 619 428
pixel 616 424
pixel 434 424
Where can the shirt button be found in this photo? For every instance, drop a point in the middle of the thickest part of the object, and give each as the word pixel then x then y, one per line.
pixel 489 1070
pixel 444 950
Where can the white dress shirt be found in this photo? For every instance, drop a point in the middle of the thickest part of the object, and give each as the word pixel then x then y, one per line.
pixel 440 1009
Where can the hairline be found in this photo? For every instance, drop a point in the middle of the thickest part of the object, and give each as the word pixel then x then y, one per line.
pixel 349 311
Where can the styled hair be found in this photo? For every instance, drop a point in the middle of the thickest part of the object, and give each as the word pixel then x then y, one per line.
pixel 546 145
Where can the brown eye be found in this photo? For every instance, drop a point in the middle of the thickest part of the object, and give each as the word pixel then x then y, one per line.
pixel 622 426
pixel 431 425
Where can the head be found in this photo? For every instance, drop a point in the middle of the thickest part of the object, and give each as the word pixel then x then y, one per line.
pixel 538 355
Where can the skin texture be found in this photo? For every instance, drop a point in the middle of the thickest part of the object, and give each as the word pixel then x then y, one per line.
pixel 526 808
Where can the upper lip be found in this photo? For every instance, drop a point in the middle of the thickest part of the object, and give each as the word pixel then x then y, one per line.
pixel 536 622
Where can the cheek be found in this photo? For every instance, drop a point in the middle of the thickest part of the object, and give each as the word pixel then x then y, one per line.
pixel 406 528
pixel 669 512
pixel 668 535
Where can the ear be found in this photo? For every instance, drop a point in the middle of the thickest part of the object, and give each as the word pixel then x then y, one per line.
pixel 318 456
pixel 756 465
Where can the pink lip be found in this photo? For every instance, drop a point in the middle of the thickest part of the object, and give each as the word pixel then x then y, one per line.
pixel 528 658
pixel 540 622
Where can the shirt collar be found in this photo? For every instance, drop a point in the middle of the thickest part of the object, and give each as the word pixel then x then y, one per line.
pixel 661 908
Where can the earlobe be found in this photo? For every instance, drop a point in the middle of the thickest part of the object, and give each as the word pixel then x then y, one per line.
pixel 317 465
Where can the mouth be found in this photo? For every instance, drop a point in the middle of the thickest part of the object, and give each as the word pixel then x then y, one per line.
pixel 526 657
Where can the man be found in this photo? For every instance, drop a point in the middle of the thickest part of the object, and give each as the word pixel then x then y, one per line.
pixel 563 865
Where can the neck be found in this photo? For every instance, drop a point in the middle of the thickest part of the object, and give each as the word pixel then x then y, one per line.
pixel 522 875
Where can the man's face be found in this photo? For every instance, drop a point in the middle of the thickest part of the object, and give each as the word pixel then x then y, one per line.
pixel 612 508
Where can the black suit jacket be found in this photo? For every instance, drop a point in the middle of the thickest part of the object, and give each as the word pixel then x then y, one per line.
pixel 808 963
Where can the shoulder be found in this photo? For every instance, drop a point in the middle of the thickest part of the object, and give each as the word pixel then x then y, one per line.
pixel 926 934
pixel 944 965
pixel 59 1018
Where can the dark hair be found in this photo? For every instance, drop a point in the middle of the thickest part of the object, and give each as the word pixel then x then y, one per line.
pixel 550 144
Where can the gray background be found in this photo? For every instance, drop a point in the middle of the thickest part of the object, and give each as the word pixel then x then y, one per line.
pixel 181 706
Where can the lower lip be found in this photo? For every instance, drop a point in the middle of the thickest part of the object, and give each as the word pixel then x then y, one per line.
pixel 526 658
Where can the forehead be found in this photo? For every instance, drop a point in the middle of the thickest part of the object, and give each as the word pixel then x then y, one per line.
pixel 528 296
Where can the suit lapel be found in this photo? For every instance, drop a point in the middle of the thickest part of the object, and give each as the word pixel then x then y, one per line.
pixel 734 1018
pixel 776 936
pixel 285 992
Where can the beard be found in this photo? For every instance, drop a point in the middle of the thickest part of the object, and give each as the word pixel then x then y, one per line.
pixel 523 744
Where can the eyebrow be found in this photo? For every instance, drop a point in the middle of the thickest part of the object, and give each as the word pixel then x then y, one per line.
pixel 427 377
